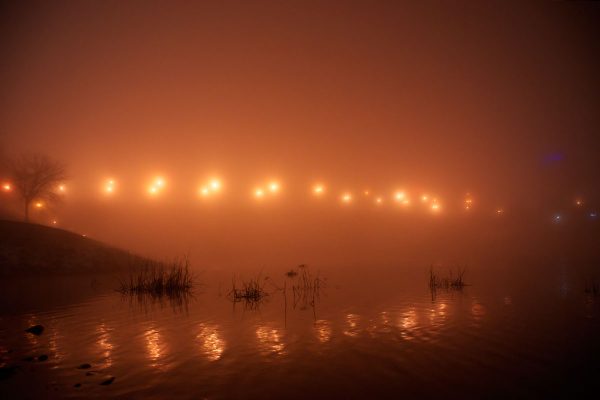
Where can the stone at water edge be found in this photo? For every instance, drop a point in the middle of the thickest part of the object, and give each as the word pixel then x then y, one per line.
pixel 85 366
pixel 108 381
pixel 35 330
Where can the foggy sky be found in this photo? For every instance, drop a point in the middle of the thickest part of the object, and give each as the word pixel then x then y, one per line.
pixel 495 99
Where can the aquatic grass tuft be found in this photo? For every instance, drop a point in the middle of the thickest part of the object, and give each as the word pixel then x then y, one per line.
pixel 157 278
pixel 252 292
pixel 449 282
pixel 305 287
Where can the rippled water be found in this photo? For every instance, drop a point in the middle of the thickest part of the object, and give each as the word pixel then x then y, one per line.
pixel 368 332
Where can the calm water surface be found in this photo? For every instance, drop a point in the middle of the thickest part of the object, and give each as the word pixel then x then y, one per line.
pixel 519 330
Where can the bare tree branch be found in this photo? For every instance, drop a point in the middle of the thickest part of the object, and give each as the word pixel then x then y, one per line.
pixel 36 177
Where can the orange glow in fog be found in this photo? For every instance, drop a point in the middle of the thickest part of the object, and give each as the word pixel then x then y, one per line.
pixel 109 186
pixel 157 186
pixel 274 187
pixel 214 185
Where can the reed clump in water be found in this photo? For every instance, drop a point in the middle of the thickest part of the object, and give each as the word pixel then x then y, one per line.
pixel 158 278
pixel 251 292
pixel 306 287
pixel 450 281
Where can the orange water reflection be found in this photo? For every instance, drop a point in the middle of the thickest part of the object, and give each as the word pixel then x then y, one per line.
pixel 352 325
pixel 156 348
pixel 323 330
pixel 269 340
pixel 212 344
pixel 104 343
pixel 408 324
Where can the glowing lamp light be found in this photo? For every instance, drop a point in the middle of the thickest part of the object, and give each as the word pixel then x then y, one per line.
pixel 578 202
pixel 346 198
pixel 38 204
pixel 54 222
pixel 406 202
pixel 435 207
pixel 557 218
pixel 6 187
pixel 399 196
pixel 499 211
pixel 109 186
pixel 273 187
pixel 259 193
pixel 424 198
pixel 366 192
pixel 62 188
pixel 212 186
pixel 318 190
pixel 158 184
pixel 215 184
pixel 378 201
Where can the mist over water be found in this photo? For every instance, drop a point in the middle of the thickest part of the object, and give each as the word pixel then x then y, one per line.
pixel 376 200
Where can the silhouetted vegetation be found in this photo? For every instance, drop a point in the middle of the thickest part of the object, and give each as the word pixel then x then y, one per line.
pixel 305 287
pixel 36 178
pixel 251 292
pixel 451 281
pixel 158 278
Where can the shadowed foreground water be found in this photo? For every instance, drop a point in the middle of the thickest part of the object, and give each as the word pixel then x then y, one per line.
pixel 519 330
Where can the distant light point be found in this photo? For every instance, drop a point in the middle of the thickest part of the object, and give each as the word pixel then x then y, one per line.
pixel 318 189
pixel 109 186
pixel 274 187
pixel 215 184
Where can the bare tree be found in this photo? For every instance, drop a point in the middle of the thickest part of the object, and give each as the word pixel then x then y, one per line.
pixel 36 177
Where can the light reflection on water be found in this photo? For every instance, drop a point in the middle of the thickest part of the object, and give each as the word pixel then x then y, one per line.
pixel 155 347
pixel 213 345
pixel 352 328
pixel 270 340
pixel 323 330
pixel 104 343
pixel 211 341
